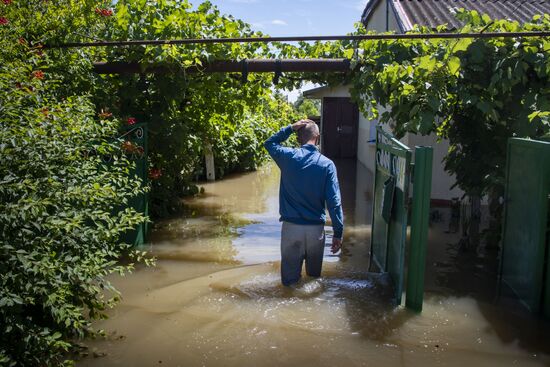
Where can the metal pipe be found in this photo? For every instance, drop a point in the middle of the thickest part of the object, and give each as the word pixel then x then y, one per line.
pixel 302 38
pixel 229 66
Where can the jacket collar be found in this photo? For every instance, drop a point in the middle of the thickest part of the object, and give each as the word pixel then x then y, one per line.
pixel 310 147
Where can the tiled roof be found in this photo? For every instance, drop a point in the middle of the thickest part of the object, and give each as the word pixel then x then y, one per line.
pixel 436 12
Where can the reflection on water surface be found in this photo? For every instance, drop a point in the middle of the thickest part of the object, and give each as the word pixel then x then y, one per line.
pixel 215 297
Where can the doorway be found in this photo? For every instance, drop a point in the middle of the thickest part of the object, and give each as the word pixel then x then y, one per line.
pixel 339 127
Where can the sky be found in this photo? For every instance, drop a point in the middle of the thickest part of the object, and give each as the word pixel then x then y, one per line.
pixel 295 18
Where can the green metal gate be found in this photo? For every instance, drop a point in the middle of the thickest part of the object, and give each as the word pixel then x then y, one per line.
pixel 525 260
pixel 390 206
pixel 392 178
pixel 137 135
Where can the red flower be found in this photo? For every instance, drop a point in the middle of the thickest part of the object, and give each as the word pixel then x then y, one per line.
pixel 131 120
pixel 104 12
pixel 155 173
pixel 7 2
pixel 38 74
pixel 4 21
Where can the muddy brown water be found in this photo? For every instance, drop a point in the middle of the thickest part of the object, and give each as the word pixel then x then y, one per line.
pixel 215 298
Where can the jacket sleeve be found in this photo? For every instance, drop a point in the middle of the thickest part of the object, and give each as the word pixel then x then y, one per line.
pixel 274 147
pixel 334 202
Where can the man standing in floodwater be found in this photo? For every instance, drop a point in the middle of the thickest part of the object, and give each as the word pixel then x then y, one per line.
pixel 308 181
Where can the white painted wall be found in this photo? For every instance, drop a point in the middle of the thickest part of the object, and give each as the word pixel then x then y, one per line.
pixel 378 19
pixel 365 148
pixel 441 180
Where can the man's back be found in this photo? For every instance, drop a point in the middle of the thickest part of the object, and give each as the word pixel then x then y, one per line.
pixel 303 179
pixel 308 181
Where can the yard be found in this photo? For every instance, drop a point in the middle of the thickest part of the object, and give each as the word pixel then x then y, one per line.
pixel 107 111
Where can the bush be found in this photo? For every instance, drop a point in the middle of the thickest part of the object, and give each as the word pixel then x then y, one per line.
pixel 60 210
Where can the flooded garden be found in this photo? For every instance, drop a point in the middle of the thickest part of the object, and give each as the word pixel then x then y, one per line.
pixel 215 297
pixel 112 110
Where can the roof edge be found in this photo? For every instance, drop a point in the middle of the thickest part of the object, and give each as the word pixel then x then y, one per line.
pixel 403 20
pixel 310 93
pixel 369 9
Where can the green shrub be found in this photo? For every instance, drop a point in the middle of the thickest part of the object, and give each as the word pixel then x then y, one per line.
pixel 63 180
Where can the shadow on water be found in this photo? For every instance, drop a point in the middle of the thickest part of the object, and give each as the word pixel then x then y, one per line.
pixel 451 271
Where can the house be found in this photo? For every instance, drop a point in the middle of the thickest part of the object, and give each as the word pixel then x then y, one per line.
pixel 346 133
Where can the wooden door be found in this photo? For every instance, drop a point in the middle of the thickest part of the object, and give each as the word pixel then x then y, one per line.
pixel 340 120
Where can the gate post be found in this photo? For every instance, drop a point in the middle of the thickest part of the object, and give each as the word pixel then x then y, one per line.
pixel 422 186
pixel 209 160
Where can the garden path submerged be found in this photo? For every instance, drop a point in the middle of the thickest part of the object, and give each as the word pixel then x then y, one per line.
pixel 215 299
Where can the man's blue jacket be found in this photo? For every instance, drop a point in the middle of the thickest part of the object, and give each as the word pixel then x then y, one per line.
pixel 308 181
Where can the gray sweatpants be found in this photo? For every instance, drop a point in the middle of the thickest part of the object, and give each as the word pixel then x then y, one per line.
pixel 298 243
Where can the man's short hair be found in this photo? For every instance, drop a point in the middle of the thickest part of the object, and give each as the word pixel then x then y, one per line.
pixel 308 132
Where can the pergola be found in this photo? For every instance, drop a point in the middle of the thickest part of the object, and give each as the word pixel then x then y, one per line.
pixel 266 65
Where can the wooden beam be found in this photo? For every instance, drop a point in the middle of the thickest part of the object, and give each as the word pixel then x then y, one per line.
pixel 229 66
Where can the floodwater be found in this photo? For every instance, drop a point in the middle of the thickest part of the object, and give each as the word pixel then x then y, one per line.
pixel 215 298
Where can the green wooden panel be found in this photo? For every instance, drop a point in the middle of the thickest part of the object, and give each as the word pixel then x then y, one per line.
pixel 524 251
pixel 546 300
pixel 388 237
pixel 422 183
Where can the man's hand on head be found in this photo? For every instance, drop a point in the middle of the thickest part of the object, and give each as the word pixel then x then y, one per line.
pixel 298 125
pixel 336 245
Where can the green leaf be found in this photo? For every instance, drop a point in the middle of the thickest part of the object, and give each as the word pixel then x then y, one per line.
pixel 462 44
pixel 426 122
pixel 348 54
pixel 453 63
pixel 427 63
